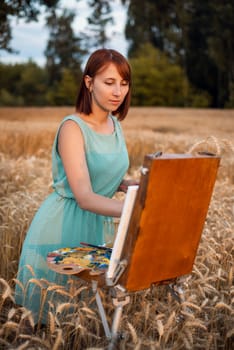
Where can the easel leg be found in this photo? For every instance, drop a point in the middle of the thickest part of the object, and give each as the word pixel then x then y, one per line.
pixel 120 299
pixel 115 326
pixel 101 310
pixel 119 302
pixel 176 292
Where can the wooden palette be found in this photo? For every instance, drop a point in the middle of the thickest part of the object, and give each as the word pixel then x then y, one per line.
pixel 75 260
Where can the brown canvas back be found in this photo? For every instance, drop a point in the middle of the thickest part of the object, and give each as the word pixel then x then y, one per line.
pixel 168 218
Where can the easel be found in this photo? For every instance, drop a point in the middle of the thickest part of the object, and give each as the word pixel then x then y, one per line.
pixel 159 231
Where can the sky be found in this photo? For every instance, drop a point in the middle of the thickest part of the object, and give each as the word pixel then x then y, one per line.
pixel 30 39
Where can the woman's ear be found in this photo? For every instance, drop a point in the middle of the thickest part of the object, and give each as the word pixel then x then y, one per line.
pixel 88 82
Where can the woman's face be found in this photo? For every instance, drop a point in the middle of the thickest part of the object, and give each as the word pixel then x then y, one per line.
pixel 108 89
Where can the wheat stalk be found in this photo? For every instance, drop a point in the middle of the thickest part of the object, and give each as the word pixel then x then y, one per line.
pixel 23 346
pixel 133 333
pixel 59 340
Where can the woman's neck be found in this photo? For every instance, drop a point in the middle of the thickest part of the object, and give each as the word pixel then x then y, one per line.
pixel 100 123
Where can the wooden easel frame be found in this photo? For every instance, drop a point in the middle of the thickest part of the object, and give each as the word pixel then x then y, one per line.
pixel 159 230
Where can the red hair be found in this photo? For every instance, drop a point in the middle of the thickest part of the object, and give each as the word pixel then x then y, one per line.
pixel 98 60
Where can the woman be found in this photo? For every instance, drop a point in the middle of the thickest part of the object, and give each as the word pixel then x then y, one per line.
pixel 89 161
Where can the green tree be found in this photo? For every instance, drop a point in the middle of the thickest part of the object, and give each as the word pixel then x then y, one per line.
pixel 221 49
pixel 63 49
pixel 155 22
pixel 157 81
pixel 197 34
pixel 27 9
pixel 8 99
pixel 22 84
pixel 209 48
pixel 97 23
pixel 10 78
pixel 64 93
pixel 33 84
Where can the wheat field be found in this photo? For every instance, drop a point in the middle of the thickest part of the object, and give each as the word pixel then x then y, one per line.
pixel 153 319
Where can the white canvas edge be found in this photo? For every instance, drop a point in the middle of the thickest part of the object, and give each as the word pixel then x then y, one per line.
pixel 122 230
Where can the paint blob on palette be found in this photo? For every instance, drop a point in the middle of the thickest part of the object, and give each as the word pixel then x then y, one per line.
pixel 85 257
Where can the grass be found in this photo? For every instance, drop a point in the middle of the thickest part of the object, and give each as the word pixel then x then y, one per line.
pixel 153 319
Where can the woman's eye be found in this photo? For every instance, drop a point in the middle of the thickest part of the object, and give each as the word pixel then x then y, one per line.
pixel 123 83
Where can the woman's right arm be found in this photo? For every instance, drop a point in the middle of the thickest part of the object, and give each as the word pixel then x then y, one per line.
pixel 72 152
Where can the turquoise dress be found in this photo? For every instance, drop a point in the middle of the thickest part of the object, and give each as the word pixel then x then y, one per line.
pixel 60 222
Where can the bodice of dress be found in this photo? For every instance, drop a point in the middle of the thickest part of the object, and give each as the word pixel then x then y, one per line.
pixel 106 156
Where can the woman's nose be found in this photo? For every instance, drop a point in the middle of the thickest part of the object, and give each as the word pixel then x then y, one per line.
pixel 117 90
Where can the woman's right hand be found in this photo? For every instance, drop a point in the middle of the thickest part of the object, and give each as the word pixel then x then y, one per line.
pixel 123 187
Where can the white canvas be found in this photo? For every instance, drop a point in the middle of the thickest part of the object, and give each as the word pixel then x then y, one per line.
pixel 122 231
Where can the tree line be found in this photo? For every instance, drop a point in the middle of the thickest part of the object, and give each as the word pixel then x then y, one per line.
pixel 181 52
